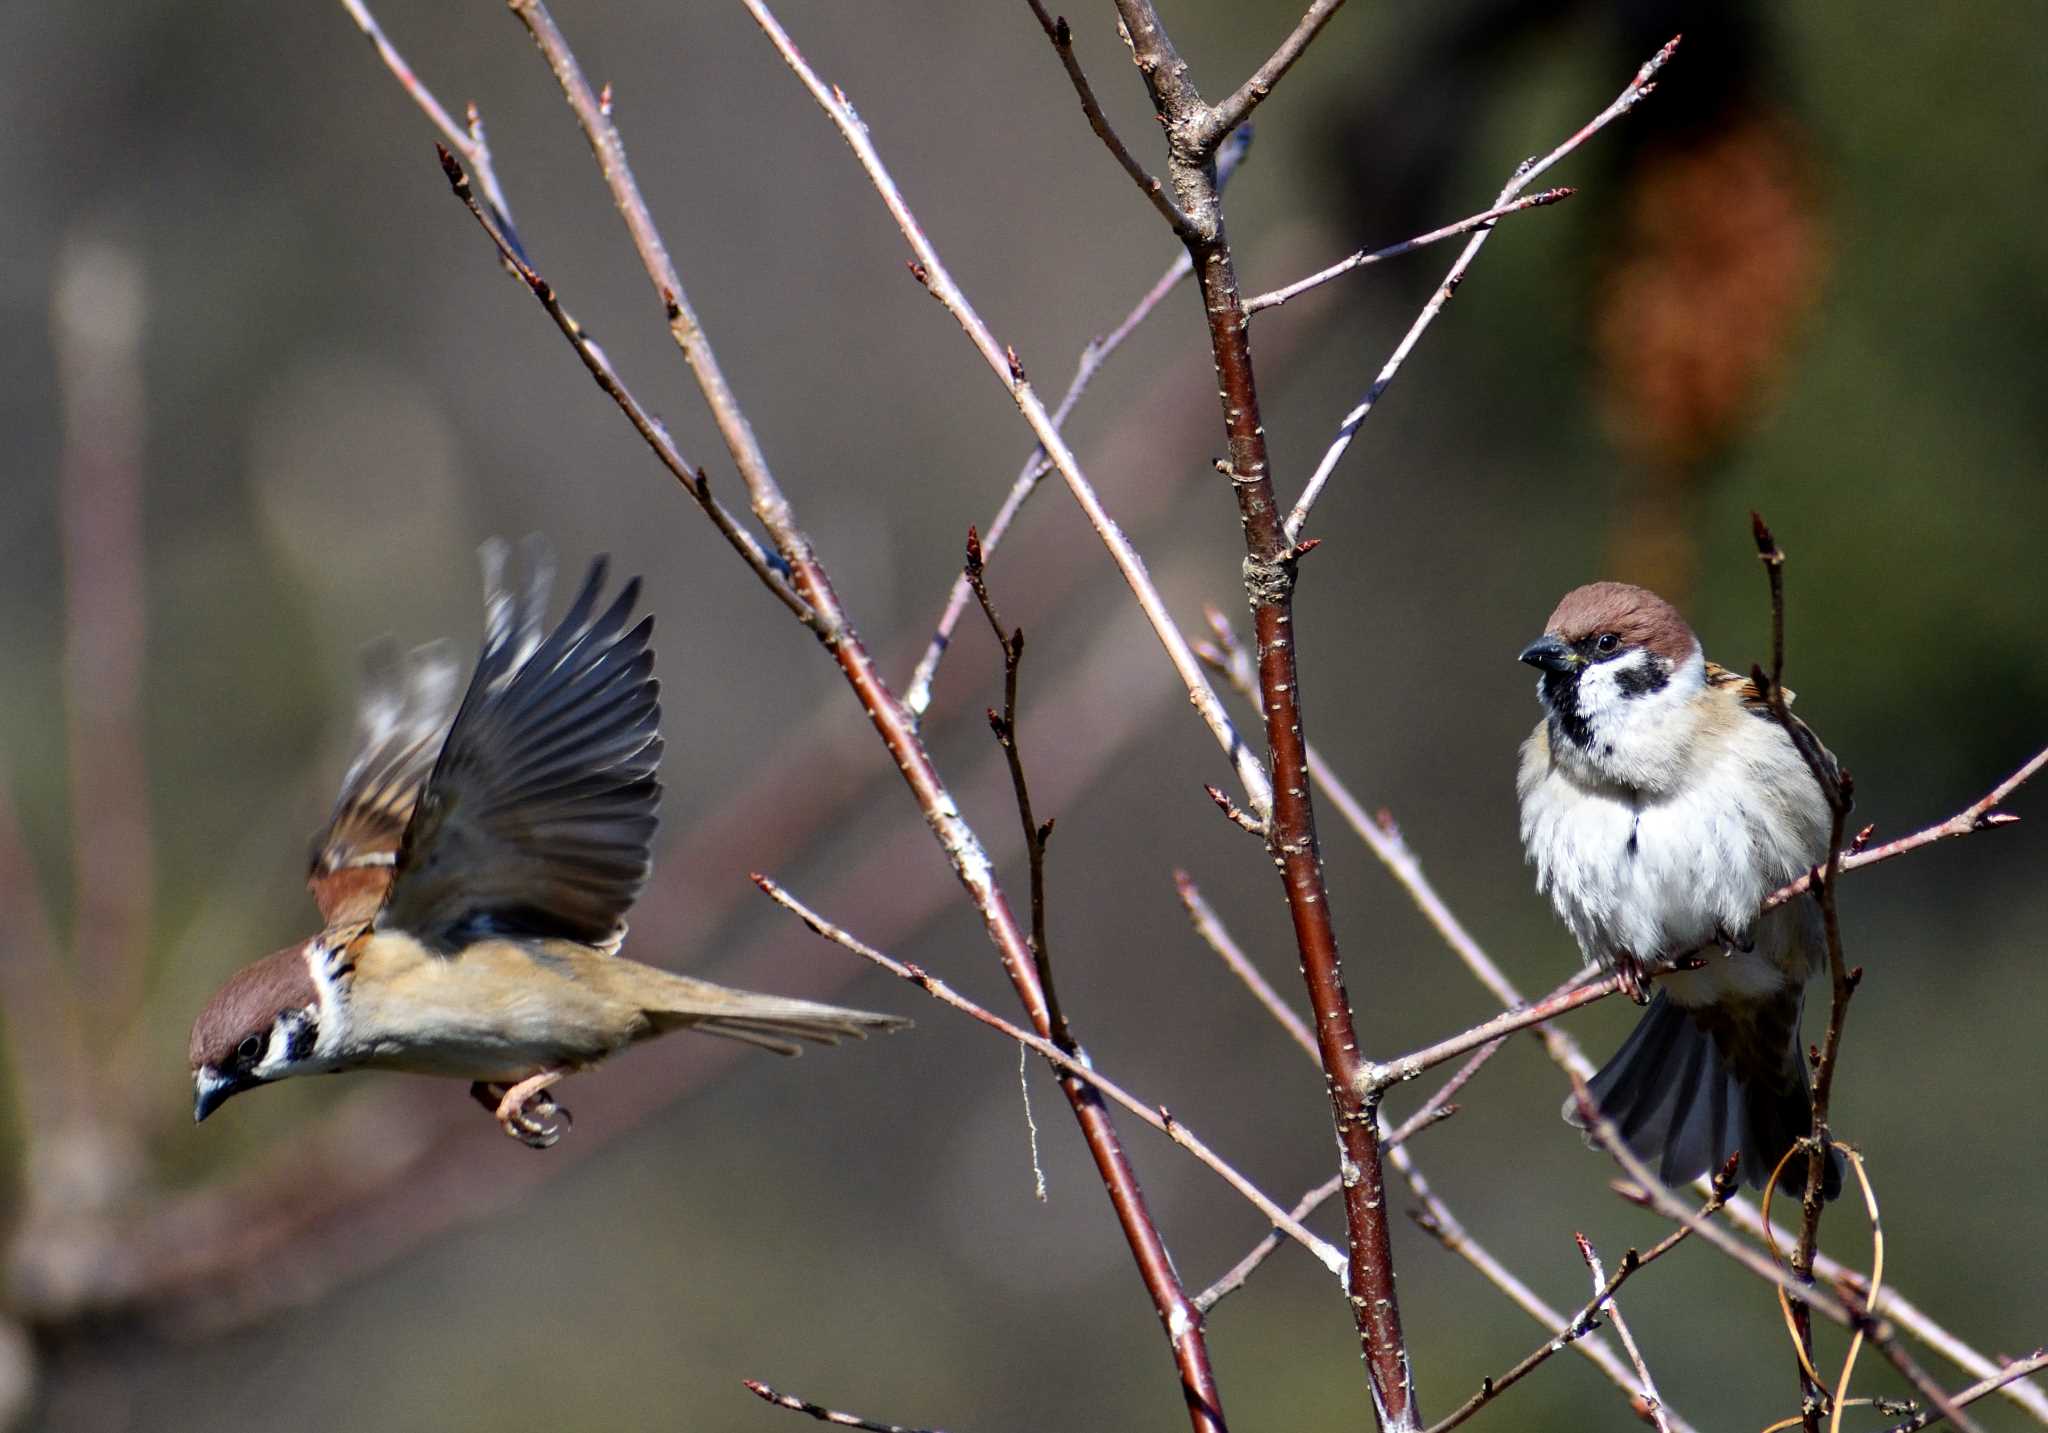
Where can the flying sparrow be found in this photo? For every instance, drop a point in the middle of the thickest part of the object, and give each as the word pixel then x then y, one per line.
pixel 1661 803
pixel 475 874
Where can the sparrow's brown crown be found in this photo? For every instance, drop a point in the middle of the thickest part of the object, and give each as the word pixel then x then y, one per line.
pixel 248 1005
pixel 1635 614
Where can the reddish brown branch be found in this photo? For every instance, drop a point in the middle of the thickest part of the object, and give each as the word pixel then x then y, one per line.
pixel 1270 569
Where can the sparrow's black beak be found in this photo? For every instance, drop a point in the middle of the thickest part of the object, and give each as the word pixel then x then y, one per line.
pixel 210 1090
pixel 1551 654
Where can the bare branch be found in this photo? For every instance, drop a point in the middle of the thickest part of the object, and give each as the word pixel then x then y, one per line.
pixel 1523 177
pixel 644 423
pixel 939 281
pixel 1651 1397
pixel 1979 815
pixel 918 695
pixel 1062 37
pixel 466 140
pixel 1602 1131
pixel 1211 929
pixel 1580 991
pixel 1004 725
pixel 1999 1381
pixel 1232 112
pixel 1271 567
pixel 1362 258
pixel 824 1415
pixel 1434 1216
pixel 1072 1066
pixel 1573 1331
pixel 1836 787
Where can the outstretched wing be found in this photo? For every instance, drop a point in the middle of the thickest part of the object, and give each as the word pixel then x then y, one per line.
pixel 401 719
pixel 540 812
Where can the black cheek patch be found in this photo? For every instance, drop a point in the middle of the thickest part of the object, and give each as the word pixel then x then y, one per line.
pixel 1643 679
pixel 305 1034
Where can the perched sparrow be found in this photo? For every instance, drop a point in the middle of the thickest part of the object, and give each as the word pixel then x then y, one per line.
pixel 1661 803
pixel 475 875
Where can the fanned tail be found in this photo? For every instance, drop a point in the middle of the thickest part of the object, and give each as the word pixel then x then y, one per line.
pixel 1693 1085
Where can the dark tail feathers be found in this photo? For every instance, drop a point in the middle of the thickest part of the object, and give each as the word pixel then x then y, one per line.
pixel 1692 1086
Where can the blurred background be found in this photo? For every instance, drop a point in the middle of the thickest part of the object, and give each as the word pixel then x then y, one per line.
pixel 267 389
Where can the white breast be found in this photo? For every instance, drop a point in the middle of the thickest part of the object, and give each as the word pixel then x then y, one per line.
pixel 1659 874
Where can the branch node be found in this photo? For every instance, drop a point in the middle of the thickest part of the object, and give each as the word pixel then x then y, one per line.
pixel 1229 808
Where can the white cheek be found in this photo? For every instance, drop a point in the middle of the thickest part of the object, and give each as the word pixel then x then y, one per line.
pixel 276 1054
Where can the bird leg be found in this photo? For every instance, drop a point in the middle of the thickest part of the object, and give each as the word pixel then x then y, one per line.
pixel 1634 984
pixel 526 1111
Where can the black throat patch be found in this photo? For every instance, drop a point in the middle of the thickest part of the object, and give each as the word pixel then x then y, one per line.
pixel 1561 695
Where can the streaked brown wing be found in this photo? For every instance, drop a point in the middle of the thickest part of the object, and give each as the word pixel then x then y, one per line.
pixel 539 815
pixel 402 717
pixel 1756 704
pixel 1752 696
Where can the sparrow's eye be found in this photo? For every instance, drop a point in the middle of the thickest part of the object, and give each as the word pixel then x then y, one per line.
pixel 250 1050
pixel 1607 644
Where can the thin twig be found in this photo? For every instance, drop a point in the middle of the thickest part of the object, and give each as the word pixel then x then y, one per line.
pixel 917 696
pixel 1524 176
pixel 1573 1331
pixel 1575 994
pixel 1275 297
pixel 1209 926
pixel 1432 1111
pixel 1073 1066
pixel 1603 1133
pixel 650 428
pixel 937 279
pixel 1837 790
pixel 1062 37
pixel 1651 1397
pixel 1228 115
pixel 824 1415
pixel 466 140
pixel 1998 1381
pixel 1004 725
pixel 1979 815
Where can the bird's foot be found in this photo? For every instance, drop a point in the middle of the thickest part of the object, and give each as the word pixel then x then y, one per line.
pixel 526 1111
pixel 1634 984
pixel 1733 944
